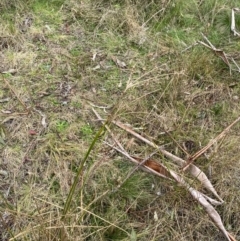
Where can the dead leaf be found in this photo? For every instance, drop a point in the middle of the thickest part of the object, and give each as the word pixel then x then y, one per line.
pixel 198 196
pixel 154 165
pixel 6 111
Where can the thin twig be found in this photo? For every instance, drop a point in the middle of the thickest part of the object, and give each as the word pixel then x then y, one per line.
pixel 212 142
pixel 210 44
pixel 136 167
pixel 179 146
pixel 218 52
pixel 189 47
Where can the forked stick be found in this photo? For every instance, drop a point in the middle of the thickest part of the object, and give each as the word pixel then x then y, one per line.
pixel 193 170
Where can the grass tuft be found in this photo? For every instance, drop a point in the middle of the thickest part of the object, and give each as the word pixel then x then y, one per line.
pixel 133 61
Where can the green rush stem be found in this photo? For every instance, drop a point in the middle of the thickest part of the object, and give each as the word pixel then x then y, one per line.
pixel 76 179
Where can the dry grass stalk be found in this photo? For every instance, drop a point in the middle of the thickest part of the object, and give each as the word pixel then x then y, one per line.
pixel 212 142
pixel 233 25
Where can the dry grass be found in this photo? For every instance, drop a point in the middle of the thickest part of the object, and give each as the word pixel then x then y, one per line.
pixel 60 59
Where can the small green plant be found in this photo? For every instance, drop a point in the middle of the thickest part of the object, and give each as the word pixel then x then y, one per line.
pixel 61 125
pixel 75 51
pixel 86 130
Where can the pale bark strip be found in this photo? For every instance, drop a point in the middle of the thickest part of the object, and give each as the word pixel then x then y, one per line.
pixel 208 207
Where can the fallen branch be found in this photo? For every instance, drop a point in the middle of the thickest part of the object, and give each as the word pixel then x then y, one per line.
pixel 161 170
pixel 193 170
pixel 164 172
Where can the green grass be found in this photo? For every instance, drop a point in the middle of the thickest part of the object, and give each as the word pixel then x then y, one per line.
pixel 59 180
